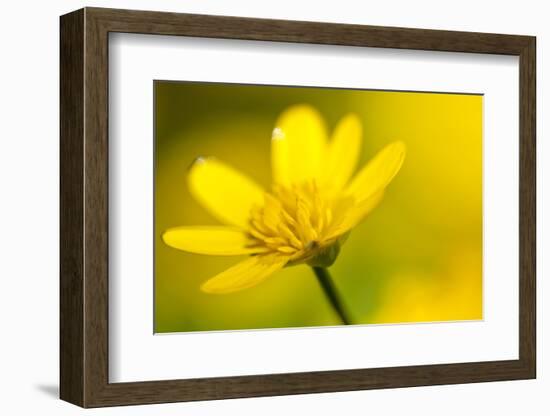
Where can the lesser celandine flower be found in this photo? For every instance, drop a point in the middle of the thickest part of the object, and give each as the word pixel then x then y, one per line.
pixel 306 215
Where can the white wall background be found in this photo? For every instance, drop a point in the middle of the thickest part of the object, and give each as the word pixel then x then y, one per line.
pixel 29 206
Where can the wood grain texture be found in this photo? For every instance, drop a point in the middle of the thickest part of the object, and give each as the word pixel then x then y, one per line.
pixel 527 207
pixel 84 207
pixel 96 208
pixel 71 185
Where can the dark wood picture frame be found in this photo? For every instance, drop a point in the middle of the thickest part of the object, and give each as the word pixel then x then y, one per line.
pixel 84 207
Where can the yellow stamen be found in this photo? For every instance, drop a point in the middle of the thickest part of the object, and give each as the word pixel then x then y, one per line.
pixel 293 220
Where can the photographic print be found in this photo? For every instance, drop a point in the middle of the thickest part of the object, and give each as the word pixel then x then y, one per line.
pixel 284 206
pixel 327 185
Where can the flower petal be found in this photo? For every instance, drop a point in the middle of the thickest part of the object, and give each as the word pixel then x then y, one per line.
pixel 213 240
pixel 354 215
pixel 223 191
pixel 245 274
pixel 378 172
pixel 298 145
pixel 343 152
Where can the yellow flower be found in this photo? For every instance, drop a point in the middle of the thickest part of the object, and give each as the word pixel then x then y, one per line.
pixel 312 205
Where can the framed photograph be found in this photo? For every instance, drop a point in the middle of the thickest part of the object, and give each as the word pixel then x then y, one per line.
pixel 255 207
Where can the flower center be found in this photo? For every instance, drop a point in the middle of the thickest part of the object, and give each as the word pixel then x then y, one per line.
pixel 293 220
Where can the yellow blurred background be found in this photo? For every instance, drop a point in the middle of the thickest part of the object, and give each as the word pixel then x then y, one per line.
pixel 416 258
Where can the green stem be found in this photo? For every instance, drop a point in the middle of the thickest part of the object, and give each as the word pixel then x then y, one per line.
pixel 331 293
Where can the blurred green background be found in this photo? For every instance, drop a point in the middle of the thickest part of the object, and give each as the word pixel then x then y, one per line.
pixel 416 258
